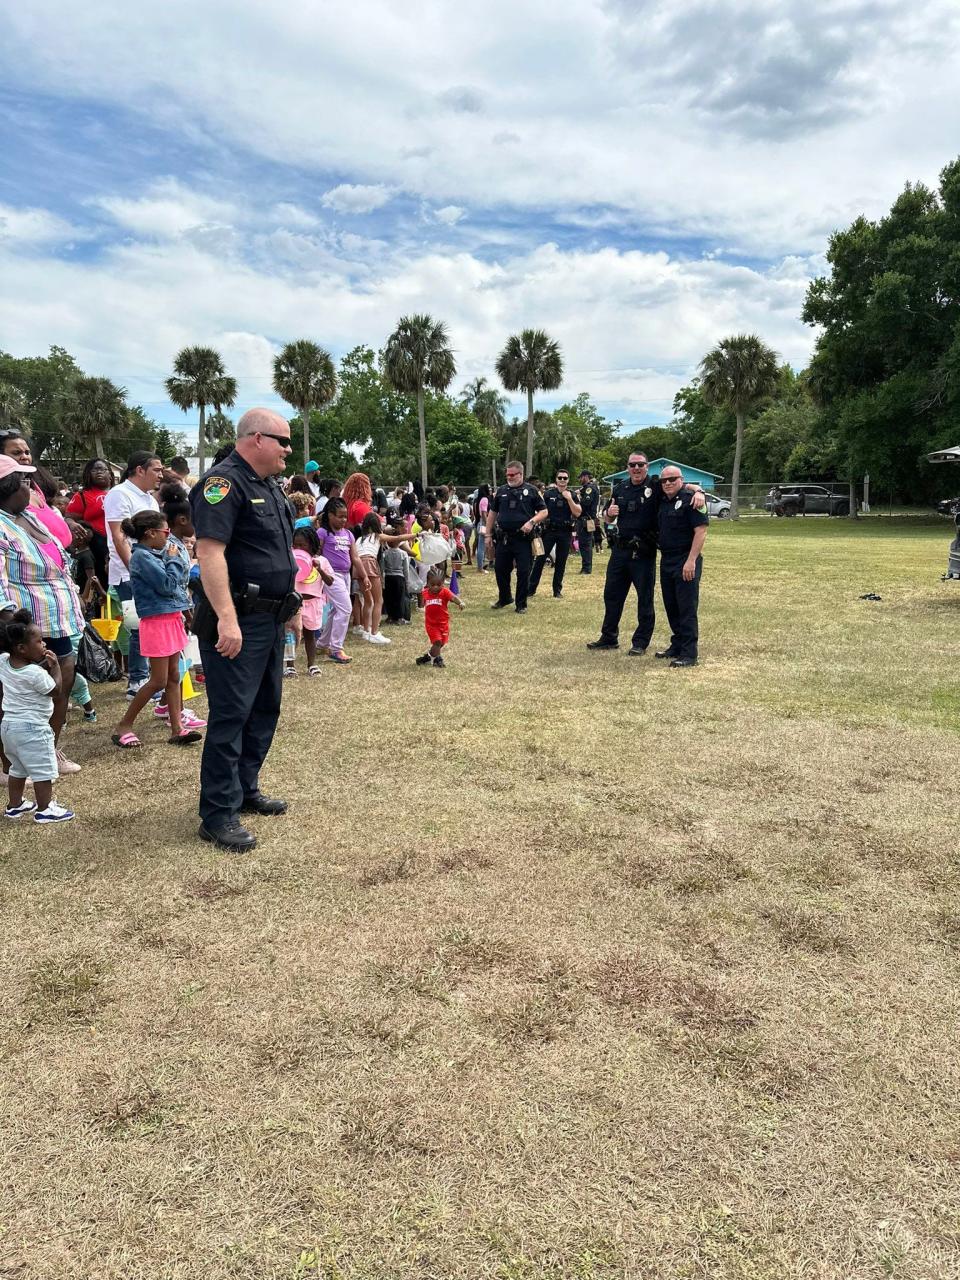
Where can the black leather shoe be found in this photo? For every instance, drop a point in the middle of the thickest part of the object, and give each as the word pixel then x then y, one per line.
pixel 231 836
pixel 502 604
pixel 523 610
pixel 684 662
pixel 558 595
pixel 603 644
pixel 665 653
pixel 531 594
pixel 636 651
pixel 259 803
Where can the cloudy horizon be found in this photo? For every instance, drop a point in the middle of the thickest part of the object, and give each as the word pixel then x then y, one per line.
pixel 639 179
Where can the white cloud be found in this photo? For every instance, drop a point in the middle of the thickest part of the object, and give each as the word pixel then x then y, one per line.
pixel 292 215
pixel 450 214
pixel 33 227
pixel 169 210
pixel 353 198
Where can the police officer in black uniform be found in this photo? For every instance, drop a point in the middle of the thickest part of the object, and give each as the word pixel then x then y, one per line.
pixel 562 510
pixel 515 511
pixel 244 527
pixel 588 496
pixel 682 530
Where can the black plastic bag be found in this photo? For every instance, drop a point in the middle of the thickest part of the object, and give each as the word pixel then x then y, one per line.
pixel 95 658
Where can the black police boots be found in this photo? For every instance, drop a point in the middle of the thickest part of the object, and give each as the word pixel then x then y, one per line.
pixel 603 644
pixel 257 802
pixel 231 836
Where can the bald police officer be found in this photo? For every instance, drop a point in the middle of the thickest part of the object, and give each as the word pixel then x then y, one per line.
pixel 682 531
pixel 516 509
pixel 244 527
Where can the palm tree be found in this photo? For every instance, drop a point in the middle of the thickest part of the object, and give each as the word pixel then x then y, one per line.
pixel 303 374
pixel 13 407
pixel 532 360
pixel 418 355
pixel 96 411
pixel 489 408
pixel 737 373
pixel 199 379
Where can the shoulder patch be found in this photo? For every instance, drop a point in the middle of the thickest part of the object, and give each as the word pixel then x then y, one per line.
pixel 215 489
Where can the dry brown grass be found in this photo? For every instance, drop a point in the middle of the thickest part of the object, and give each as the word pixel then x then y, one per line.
pixel 567 968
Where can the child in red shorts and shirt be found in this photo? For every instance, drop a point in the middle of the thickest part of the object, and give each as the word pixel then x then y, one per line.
pixel 436 619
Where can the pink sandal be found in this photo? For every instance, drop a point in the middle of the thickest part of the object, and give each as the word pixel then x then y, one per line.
pixel 126 740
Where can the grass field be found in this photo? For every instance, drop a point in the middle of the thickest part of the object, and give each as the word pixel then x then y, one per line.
pixel 562 965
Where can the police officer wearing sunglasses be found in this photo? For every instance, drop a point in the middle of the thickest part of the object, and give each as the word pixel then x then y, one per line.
pixel 244 528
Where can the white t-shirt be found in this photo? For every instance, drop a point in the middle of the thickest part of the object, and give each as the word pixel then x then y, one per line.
pixel 26 691
pixel 123 500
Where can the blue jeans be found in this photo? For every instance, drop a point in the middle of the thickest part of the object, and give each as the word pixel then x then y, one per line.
pixel 137 668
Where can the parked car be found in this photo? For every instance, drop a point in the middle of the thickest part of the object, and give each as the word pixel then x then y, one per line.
pixel 811 499
pixel 717 507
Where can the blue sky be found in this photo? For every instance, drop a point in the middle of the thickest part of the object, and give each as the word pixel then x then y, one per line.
pixel 640 179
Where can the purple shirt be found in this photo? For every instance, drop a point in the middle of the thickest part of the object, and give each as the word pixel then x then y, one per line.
pixel 336 547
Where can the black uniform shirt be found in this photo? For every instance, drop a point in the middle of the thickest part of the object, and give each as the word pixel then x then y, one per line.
pixel 559 514
pixel 589 499
pixel 515 505
pixel 638 505
pixel 233 505
pixel 678 519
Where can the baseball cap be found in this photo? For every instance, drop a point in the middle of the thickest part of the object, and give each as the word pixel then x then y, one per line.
pixel 8 466
pixel 310 467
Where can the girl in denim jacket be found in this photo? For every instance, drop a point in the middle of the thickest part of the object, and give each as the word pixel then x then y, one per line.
pixel 158 576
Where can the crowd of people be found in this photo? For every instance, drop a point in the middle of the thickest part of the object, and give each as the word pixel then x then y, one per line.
pixel 123 551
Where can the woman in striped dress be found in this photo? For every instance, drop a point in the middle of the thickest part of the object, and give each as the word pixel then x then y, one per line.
pixel 34 576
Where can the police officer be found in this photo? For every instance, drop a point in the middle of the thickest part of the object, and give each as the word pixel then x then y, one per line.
pixel 588 496
pixel 682 531
pixel 562 510
pixel 244 527
pixel 515 510
pixel 633 554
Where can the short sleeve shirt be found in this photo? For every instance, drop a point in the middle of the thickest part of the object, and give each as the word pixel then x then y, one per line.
pixel 515 505
pixel 26 691
pixel 678 520
pixel 251 517
pixel 122 501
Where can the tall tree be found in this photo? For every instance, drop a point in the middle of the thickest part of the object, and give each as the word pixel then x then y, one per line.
pixel 489 408
pixel 531 360
pixel 735 375
pixel 97 411
pixel 13 407
pixel 199 379
pixel 303 374
pixel 418 356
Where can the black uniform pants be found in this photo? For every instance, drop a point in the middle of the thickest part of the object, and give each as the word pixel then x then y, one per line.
pixel 243 694
pixel 513 549
pixel 626 569
pixel 557 542
pixel 681 599
pixel 585 543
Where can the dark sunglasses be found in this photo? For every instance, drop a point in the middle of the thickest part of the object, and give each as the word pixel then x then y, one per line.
pixel 284 440
pixel 636 464
pixel 670 479
pixel 563 477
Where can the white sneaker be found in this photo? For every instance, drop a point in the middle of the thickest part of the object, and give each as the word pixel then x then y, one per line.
pixel 18 810
pixel 362 632
pixel 378 638
pixel 65 765
pixel 53 813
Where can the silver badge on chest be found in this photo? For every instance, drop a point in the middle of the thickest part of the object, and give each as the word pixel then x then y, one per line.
pixel 677 505
pixel 648 493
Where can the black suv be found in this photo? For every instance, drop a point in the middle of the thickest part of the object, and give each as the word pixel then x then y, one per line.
pixel 811 499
